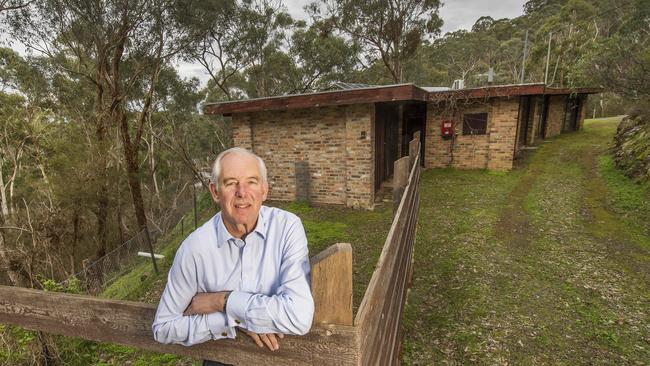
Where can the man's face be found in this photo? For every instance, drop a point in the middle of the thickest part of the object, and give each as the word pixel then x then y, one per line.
pixel 241 192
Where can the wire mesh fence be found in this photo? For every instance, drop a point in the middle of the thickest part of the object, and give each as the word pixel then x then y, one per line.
pixel 98 273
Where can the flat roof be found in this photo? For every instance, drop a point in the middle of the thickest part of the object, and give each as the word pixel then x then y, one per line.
pixel 328 98
pixel 385 93
pixel 507 91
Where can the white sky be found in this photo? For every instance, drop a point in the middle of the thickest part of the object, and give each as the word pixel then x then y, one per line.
pixel 457 14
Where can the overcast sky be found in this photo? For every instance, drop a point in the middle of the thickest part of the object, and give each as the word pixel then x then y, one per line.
pixel 457 14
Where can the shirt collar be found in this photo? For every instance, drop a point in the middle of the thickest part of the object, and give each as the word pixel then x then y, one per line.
pixel 224 236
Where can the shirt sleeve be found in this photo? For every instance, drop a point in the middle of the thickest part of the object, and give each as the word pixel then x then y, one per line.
pixel 170 325
pixel 291 309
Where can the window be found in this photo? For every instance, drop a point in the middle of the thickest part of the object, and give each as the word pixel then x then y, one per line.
pixel 475 123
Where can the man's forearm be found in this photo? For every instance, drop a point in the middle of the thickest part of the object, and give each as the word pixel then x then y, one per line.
pixel 207 302
pixel 286 312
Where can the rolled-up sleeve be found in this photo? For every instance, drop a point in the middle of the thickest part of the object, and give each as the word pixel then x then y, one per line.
pixel 170 325
pixel 291 309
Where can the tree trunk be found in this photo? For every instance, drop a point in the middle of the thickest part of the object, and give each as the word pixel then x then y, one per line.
pixel 152 161
pixel 75 240
pixel 5 262
pixel 95 275
pixel 3 193
pixel 133 174
pixel 12 181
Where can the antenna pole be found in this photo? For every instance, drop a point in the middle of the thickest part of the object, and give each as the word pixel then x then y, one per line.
pixel 548 57
pixel 523 60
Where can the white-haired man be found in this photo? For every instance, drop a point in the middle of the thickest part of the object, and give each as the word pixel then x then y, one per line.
pixel 247 267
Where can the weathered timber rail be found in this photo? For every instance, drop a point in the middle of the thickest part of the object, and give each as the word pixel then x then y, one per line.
pixel 374 338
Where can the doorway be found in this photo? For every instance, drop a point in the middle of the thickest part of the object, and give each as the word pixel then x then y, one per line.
pixel 572 113
pixel 414 120
pixel 395 124
pixel 541 132
pixel 386 138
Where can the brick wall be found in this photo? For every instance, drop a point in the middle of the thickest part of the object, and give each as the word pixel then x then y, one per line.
pixel 556 113
pixel 494 150
pixel 503 133
pixel 323 154
pixel 360 162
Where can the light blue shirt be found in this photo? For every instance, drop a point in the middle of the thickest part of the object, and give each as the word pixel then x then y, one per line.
pixel 268 274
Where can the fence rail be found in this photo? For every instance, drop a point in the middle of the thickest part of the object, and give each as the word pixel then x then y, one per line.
pixel 129 323
pixel 374 338
pixel 380 315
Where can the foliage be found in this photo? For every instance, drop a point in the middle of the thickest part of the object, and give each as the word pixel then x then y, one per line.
pixel 388 31
pixel 632 147
pixel 620 59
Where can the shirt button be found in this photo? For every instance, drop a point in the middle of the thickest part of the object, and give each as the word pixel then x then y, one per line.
pixel 224 334
pixel 237 321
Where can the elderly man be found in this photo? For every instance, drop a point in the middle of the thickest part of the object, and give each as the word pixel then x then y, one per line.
pixel 247 267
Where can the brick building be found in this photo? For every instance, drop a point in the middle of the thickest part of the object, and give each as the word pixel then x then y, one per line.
pixel 338 147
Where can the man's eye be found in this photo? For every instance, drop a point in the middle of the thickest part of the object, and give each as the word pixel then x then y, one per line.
pixel 230 183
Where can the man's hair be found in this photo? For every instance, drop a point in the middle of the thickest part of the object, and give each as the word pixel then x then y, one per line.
pixel 216 166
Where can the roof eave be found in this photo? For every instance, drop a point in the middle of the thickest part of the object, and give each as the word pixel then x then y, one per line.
pixel 390 93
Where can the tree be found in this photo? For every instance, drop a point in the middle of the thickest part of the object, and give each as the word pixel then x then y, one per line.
pixel 620 60
pixel 235 35
pixel 387 30
pixel 570 37
pixel 7 5
pixel 119 47
pixel 321 58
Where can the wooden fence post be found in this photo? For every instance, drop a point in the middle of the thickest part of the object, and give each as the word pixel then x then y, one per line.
pixel 414 150
pixel 400 179
pixel 331 285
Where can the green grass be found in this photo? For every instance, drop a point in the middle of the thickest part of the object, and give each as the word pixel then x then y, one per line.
pixel 365 230
pixel 547 264
pixel 628 197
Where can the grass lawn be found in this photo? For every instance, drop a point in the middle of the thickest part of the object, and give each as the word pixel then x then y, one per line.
pixel 547 264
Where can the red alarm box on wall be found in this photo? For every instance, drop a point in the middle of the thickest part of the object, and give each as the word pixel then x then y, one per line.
pixel 447 129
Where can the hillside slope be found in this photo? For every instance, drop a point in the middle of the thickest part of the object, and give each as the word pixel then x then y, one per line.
pixel 632 147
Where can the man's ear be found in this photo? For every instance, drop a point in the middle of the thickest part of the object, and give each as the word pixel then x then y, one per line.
pixel 214 192
pixel 266 191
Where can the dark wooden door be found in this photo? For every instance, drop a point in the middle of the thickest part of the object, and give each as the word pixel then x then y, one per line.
pixel 524 119
pixel 541 132
pixel 415 118
pixel 386 135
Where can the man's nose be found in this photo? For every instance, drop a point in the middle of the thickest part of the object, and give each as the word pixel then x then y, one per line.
pixel 241 190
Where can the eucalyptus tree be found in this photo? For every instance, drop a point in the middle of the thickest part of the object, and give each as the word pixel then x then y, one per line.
pixel 571 29
pixel 236 35
pixel 387 30
pixel 321 58
pixel 8 5
pixel 620 59
pixel 118 47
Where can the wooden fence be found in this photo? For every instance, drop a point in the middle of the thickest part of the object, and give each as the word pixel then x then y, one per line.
pixel 373 338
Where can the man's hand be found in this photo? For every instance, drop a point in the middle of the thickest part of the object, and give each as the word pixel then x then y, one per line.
pixel 267 339
pixel 206 303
